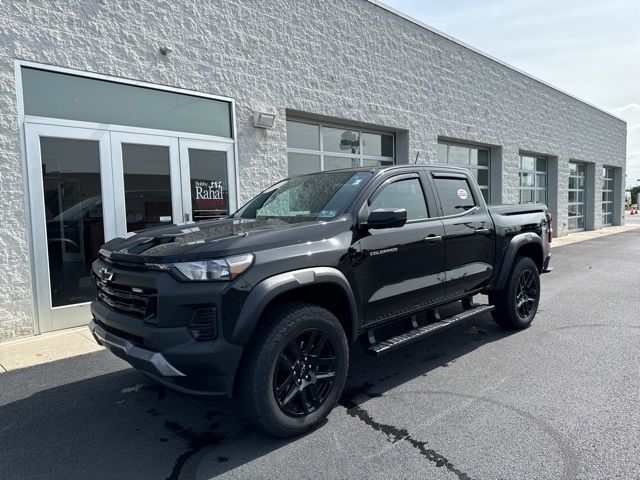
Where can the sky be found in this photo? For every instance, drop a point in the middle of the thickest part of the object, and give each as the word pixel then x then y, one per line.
pixel 588 48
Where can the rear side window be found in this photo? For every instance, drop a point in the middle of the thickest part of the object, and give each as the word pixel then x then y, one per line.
pixel 405 194
pixel 455 195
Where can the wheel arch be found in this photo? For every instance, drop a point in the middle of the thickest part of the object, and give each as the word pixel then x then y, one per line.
pixel 323 286
pixel 522 245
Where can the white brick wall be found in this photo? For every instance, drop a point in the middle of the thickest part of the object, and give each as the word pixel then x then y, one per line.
pixel 340 58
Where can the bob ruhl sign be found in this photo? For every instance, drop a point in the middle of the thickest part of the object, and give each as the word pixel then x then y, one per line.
pixel 209 193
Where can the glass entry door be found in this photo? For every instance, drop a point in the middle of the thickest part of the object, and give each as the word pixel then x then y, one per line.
pixel 87 186
pixel 208 179
pixel 146 172
pixel 71 201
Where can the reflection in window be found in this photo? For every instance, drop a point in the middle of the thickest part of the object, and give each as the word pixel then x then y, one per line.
pixel 147 186
pixel 313 147
pixel 405 194
pixel 476 159
pixel 73 208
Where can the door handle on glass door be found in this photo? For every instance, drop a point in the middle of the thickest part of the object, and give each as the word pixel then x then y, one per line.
pixel 433 239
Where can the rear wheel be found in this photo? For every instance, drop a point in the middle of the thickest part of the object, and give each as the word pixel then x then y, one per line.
pixel 295 371
pixel 517 303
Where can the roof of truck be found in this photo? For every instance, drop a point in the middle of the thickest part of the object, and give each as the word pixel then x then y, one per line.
pixel 384 168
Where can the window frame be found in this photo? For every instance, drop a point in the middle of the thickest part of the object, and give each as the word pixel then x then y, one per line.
pixel 362 212
pixel 472 168
pixel 322 153
pixel 535 172
pixel 454 176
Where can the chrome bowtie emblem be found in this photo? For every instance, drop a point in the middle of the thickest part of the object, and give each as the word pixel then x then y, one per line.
pixel 106 275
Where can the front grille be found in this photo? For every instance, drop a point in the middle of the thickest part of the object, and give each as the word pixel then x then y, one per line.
pixel 130 300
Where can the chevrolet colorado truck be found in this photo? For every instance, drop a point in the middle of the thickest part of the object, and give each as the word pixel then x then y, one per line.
pixel 263 305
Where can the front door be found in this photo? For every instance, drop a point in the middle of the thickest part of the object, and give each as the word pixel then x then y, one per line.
pixel 71 201
pixel 146 172
pixel 87 186
pixel 400 270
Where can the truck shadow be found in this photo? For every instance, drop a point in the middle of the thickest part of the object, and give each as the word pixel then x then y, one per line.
pixel 122 425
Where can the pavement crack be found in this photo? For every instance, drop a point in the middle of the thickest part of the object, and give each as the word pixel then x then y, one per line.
pixel 395 434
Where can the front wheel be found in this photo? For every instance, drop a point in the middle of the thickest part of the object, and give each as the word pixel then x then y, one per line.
pixel 517 303
pixel 295 371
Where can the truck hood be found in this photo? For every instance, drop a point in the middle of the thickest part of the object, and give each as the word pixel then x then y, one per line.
pixel 218 238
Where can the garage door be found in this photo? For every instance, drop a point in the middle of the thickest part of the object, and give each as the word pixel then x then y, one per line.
pixel 577 195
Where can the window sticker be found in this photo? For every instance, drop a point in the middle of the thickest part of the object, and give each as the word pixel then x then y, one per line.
pixel 463 194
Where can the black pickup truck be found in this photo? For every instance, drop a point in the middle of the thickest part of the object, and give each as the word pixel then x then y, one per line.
pixel 263 305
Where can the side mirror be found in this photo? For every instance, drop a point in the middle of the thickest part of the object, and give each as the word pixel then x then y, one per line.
pixel 386 218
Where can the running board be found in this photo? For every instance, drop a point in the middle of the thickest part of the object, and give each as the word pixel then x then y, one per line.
pixel 422 332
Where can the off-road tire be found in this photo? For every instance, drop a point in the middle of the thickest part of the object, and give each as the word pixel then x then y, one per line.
pixel 256 381
pixel 506 300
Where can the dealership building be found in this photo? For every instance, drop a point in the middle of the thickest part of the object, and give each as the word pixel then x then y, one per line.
pixel 117 115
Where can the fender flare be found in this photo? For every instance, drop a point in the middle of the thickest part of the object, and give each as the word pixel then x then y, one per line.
pixel 268 289
pixel 510 255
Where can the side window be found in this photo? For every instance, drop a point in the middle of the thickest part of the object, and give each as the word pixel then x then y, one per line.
pixel 405 194
pixel 455 195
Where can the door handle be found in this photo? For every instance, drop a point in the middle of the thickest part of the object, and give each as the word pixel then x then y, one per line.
pixel 483 231
pixel 431 239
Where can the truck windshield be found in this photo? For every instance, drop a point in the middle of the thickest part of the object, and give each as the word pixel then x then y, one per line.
pixel 321 196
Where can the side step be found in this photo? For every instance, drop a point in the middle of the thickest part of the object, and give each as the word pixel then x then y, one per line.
pixel 421 332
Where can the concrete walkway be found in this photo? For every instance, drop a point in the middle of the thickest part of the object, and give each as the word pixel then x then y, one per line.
pixel 582 236
pixel 49 347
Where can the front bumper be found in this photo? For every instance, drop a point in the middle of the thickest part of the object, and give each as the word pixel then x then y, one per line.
pixel 150 362
pixel 161 345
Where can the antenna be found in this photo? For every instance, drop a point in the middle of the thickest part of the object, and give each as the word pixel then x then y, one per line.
pixel 417 157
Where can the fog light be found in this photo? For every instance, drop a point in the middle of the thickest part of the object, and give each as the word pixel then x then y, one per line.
pixel 203 325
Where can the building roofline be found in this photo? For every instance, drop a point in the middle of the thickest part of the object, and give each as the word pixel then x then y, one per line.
pixel 446 36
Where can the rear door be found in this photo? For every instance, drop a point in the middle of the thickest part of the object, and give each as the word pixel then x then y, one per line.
pixel 400 269
pixel 469 236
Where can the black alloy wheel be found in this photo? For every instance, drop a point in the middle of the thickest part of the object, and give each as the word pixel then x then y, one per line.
pixel 516 304
pixel 305 373
pixel 295 369
pixel 526 293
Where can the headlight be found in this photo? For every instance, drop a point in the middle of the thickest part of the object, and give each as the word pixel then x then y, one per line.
pixel 219 269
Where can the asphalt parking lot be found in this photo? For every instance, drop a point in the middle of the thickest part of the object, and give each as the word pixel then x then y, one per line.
pixel 559 400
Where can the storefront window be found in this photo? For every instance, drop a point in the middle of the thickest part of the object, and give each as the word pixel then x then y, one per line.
pixel 314 147
pixel 73 97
